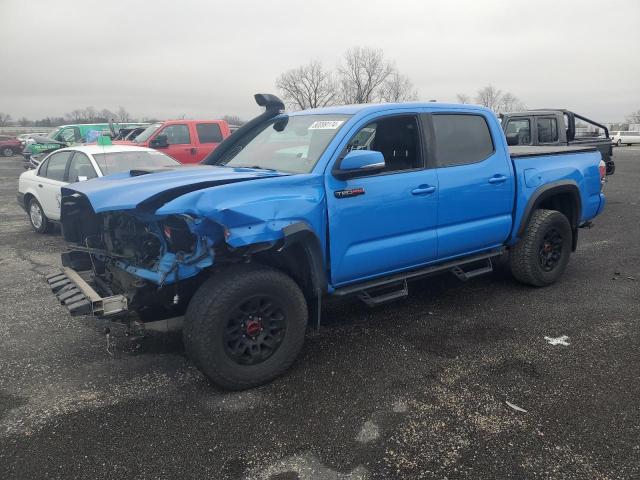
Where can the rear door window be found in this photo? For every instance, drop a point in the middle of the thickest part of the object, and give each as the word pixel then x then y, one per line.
pixel 547 130
pixel 209 132
pixel 57 166
pixel 461 139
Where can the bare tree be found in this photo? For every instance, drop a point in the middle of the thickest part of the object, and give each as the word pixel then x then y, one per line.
pixel 362 74
pixel 634 117
pixel 510 103
pixel 398 88
pixel 106 115
pixel 233 120
pixel 5 118
pixel 489 97
pixel 463 98
pixel 123 115
pixel 90 114
pixel 308 86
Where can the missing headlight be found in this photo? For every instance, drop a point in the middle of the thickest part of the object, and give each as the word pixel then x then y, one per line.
pixel 178 235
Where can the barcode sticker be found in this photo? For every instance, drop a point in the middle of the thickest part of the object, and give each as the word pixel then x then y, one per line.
pixel 326 124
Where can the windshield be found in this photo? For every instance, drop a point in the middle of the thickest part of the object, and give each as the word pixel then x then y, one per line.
pixel 53 133
pixel 288 144
pixel 114 162
pixel 150 130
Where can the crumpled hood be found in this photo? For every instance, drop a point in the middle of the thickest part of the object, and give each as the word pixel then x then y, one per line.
pixel 127 190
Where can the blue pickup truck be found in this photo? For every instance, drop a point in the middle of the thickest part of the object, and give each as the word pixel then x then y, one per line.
pixel 295 207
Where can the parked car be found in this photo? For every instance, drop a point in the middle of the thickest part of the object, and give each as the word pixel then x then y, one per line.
pixel 627 138
pixel 9 146
pixel 25 137
pixel 67 135
pixel 558 127
pixel 188 141
pixel 39 189
pixel 293 208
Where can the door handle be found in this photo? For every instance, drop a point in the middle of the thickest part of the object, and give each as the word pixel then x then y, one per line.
pixel 423 190
pixel 498 179
pixel 40 185
pixel 193 151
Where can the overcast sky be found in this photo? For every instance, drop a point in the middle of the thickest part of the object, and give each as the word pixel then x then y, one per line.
pixel 207 58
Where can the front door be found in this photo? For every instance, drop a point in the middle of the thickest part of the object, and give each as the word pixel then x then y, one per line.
pixel 179 142
pixel 476 186
pixel 385 222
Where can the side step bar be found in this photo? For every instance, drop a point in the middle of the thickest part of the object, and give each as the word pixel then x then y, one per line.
pixel 384 294
pixel 466 275
pixel 80 298
pixel 426 271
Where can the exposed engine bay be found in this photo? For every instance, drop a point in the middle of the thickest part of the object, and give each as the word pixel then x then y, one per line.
pixel 141 256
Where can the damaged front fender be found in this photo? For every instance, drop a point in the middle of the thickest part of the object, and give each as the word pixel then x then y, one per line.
pixel 257 212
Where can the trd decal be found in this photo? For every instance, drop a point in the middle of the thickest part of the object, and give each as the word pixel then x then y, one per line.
pixel 351 192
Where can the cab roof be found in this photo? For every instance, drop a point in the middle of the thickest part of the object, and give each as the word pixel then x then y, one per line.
pixel 381 107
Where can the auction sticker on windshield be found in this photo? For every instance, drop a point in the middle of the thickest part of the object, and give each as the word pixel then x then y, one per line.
pixel 326 124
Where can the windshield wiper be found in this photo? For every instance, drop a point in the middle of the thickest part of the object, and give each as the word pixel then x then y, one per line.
pixel 258 167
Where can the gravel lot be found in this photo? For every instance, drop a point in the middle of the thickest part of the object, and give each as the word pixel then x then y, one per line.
pixel 415 389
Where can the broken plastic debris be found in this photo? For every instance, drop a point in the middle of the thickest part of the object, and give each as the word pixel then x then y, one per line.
pixel 515 407
pixel 558 340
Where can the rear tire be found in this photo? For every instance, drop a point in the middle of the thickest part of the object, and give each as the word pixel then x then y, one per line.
pixel 245 326
pixel 7 152
pixel 542 254
pixel 39 221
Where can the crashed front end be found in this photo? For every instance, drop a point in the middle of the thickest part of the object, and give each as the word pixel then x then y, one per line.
pixel 130 258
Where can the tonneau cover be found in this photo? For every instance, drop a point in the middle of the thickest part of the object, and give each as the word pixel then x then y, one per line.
pixel 531 151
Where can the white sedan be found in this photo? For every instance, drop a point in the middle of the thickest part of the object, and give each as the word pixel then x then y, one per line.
pixel 39 189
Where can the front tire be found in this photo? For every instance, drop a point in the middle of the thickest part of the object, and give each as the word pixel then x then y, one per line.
pixel 619 143
pixel 542 254
pixel 7 152
pixel 245 326
pixel 39 221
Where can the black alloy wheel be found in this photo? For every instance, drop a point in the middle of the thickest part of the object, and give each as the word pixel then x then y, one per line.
pixel 255 330
pixel 550 250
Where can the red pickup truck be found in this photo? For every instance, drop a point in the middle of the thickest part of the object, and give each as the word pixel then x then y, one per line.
pixel 188 141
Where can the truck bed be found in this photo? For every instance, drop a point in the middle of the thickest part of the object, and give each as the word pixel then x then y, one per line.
pixel 519 151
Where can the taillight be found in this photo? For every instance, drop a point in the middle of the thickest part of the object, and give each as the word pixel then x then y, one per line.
pixel 603 173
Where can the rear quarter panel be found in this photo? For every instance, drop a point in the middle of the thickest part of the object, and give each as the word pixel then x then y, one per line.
pixel 539 172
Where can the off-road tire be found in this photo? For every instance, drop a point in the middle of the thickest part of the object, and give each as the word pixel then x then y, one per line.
pixel 209 312
pixel 524 257
pixel 45 226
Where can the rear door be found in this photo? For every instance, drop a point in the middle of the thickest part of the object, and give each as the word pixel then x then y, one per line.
pixel 476 185
pixel 209 135
pixel 51 177
pixel 385 222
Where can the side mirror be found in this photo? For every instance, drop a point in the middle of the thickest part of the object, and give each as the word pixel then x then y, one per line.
pixel 358 163
pixel 159 142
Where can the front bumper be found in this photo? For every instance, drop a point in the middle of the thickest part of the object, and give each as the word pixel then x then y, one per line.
pixel 75 293
pixel 20 200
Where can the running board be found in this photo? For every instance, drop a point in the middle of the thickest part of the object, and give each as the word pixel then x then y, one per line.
pixel 384 294
pixel 466 275
pixel 414 274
